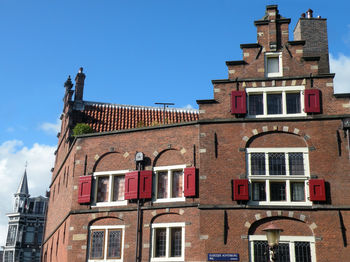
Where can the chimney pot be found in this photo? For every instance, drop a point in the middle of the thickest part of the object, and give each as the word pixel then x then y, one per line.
pixel 309 13
pixel 303 15
pixel 79 85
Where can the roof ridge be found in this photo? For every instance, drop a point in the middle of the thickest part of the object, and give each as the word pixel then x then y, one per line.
pixel 191 110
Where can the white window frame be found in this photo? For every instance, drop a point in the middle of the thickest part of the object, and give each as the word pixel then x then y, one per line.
pixel 111 175
pixel 106 228
pixel 11 249
pixel 277 90
pixel 267 178
pixel 285 239
pixel 280 65
pixel 16 235
pixel 169 169
pixel 168 226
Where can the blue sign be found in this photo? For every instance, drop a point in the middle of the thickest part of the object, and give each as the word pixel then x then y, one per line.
pixel 223 257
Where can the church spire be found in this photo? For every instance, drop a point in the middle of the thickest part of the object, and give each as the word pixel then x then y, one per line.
pixel 23 185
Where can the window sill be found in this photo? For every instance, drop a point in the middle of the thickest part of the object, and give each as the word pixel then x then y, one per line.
pixel 166 200
pixel 277 115
pixel 109 204
pixel 279 203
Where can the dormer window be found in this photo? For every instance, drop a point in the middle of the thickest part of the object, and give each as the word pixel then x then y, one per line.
pixel 273 64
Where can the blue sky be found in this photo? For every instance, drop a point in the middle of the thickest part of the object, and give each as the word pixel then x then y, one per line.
pixel 133 52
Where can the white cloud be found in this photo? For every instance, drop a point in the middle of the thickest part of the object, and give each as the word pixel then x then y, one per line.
pixel 341 67
pixel 51 128
pixel 13 156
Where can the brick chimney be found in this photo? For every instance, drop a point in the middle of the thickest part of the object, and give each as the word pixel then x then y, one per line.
pixel 79 85
pixel 314 32
pixel 272 29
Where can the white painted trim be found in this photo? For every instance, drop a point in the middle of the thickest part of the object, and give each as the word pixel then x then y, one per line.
pixel 280 64
pixel 106 228
pixel 285 239
pixel 267 178
pixel 158 168
pixel 277 149
pixel 111 175
pixel 105 173
pixel 279 90
pixel 170 170
pixel 276 89
pixel 167 226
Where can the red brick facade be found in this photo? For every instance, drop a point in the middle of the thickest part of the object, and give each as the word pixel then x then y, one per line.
pixel 289 147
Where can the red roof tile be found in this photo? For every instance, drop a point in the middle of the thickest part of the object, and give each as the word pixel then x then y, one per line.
pixel 108 117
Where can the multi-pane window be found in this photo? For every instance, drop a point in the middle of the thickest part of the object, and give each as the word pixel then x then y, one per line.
pixel 11 235
pixel 169 183
pixel 168 242
pixel 8 256
pixel 29 235
pixel 290 249
pixel 276 101
pixel 106 243
pixel 273 64
pixel 39 207
pixel 110 188
pixel 278 175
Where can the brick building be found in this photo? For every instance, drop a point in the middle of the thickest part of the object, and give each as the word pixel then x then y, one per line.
pixel 271 146
pixel 25 227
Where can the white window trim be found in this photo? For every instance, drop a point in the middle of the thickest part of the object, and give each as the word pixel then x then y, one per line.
pixel 279 89
pixel 169 169
pixel 285 239
pixel 122 227
pixel 280 69
pixel 111 174
pixel 276 178
pixel 16 235
pixel 168 226
pixel 10 249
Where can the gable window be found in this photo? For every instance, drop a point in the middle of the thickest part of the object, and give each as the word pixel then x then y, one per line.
pixel 110 188
pixel 290 248
pixel 276 101
pixel 273 64
pixel 168 242
pixel 106 243
pixel 169 183
pixel 278 176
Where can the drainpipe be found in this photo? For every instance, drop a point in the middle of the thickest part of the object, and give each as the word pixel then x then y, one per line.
pixel 139 157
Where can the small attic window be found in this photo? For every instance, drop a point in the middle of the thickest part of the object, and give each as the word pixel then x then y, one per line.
pixel 273 64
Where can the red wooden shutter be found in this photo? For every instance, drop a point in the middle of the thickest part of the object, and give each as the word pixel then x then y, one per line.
pixel 84 193
pixel 240 189
pixel 312 99
pixel 190 182
pixel 131 180
pixel 145 184
pixel 317 190
pixel 238 102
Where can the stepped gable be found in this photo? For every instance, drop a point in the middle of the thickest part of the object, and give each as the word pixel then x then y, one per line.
pixel 104 117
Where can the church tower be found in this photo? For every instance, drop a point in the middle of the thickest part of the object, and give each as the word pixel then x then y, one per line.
pixel 25 227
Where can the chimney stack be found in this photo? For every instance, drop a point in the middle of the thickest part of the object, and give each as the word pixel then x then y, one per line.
pixel 79 85
pixel 314 32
